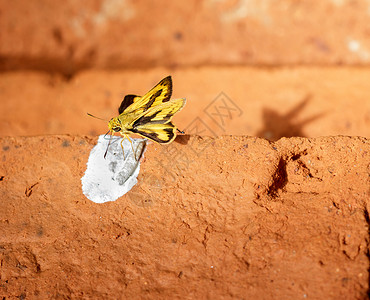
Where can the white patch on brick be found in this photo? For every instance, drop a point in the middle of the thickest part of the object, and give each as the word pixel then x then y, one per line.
pixel 110 10
pixel 110 178
pixel 338 3
pixel 121 10
pixel 355 47
pixel 242 9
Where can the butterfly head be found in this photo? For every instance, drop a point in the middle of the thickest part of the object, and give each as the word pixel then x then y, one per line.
pixel 115 125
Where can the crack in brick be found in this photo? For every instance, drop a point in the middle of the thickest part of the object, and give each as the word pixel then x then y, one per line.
pixel 28 191
pixel 279 179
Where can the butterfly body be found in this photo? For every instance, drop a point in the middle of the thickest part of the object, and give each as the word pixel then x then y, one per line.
pixel 149 115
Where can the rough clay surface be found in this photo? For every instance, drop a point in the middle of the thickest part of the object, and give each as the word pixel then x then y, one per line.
pixel 226 217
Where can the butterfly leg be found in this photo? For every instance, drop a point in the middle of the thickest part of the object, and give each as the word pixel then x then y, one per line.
pixel 132 146
pixel 123 151
pixel 180 131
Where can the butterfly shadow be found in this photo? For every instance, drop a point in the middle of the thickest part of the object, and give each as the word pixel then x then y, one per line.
pixel 182 139
pixel 278 125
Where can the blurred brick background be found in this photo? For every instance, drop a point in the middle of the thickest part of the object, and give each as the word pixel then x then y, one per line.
pixel 66 37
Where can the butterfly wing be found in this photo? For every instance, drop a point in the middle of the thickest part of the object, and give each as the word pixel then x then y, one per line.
pixel 159 94
pixel 127 101
pixel 155 124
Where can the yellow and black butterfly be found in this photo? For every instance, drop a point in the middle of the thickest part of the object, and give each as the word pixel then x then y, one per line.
pixel 149 116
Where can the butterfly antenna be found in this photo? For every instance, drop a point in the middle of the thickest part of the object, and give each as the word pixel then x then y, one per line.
pixel 180 131
pixel 106 151
pixel 105 135
pixel 96 117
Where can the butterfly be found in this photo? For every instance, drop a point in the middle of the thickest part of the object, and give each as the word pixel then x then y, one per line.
pixel 149 115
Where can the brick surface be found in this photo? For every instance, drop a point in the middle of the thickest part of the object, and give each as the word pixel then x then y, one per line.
pixel 231 217
pixel 269 103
